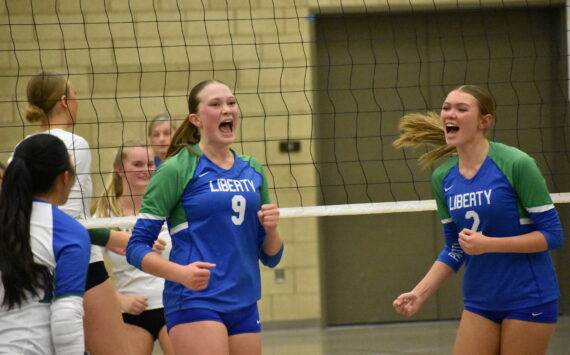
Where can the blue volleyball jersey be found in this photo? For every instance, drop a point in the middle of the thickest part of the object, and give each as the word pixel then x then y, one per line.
pixel 506 197
pixel 211 214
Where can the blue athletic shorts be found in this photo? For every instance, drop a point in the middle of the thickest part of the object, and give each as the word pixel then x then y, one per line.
pixel 544 313
pixel 245 320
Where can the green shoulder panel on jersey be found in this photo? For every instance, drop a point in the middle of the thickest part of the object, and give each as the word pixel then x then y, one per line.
pixel 523 173
pixel 256 165
pixel 436 178
pixel 163 195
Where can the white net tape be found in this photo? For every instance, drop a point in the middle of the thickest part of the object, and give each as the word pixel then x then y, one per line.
pixel 320 211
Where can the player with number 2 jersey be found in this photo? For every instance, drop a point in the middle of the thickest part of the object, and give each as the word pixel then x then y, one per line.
pixel 498 219
pixel 507 197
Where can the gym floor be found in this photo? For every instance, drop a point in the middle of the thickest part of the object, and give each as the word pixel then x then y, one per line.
pixel 421 338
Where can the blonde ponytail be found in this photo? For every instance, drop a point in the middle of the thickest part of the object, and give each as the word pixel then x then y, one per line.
pixel 420 129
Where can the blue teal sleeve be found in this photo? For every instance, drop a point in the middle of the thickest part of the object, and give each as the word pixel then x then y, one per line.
pixel 144 234
pixel 271 260
pixel 162 195
pixel 72 249
pixel 548 223
pixel 452 254
pixel 267 260
pixel 531 188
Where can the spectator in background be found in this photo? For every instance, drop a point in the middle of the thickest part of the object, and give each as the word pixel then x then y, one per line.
pixel 139 293
pixel 160 131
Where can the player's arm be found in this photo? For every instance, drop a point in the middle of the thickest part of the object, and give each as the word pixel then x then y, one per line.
pixel 194 276
pixel 269 219
pixel 475 243
pixel 109 237
pixel 409 303
pixel 533 193
pixel 272 246
pixel 71 250
pixel 531 188
pixel 548 236
pixel 140 254
pixel 162 195
pixel 448 261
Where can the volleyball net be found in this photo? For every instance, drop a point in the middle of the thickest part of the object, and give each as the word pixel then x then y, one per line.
pixel 321 84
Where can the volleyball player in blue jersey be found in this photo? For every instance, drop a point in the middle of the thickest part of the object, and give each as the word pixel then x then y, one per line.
pixel 216 204
pixel 498 220
pixel 44 253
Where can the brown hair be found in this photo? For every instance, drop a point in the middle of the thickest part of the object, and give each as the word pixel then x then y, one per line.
pixel 420 129
pixel 44 91
pixel 483 97
pixel 187 133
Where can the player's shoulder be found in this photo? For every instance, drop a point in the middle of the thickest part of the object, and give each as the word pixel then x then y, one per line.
pixel 67 230
pixel 251 161
pixel 70 223
pixel 441 171
pixel 508 156
pixel 71 139
pixel 184 159
pixel 506 151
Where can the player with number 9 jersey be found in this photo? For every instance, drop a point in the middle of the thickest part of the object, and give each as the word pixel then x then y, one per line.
pixel 212 216
pixel 216 205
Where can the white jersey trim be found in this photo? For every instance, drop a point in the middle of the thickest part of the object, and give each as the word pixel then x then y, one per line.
pixel 179 228
pixel 151 217
pixel 540 209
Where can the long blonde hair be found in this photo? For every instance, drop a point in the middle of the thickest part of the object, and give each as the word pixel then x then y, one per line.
pixel 419 129
pixel 108 203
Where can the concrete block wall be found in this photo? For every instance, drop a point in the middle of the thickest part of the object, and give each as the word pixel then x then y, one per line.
pixel 130 61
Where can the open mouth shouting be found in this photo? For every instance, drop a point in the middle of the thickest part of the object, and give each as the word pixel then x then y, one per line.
pixel 227 126
pixel 451 128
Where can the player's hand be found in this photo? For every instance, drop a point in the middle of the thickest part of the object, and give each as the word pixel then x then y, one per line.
pixel 134 305
pixel 407 304
pixel 269 217
pixel 197 275
pixel 472 242
pixel 159 245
